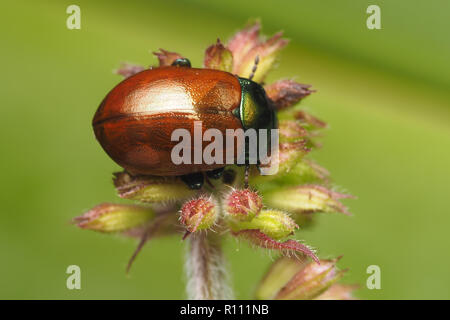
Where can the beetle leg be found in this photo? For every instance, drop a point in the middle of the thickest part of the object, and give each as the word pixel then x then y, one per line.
pixel 247 171
pixel 193 180
pixel 182 62
pixel 215 174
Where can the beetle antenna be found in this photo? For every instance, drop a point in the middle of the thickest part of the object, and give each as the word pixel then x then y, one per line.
pixel 247 170
pixel 255 66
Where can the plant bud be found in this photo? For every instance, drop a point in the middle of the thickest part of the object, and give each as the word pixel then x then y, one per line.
pixel 108 217
pixel 151 188
pixel 279 273
pixel 286 93
pixel 311 281
pixel 243 205
pixel 247 48
pixel 218 57
pixel 275 224
pixel 199 214
pixel 306 199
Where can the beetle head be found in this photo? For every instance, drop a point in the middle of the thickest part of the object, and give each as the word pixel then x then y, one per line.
pixel 256 110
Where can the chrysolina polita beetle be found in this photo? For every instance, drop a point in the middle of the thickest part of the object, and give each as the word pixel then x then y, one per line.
pixel 135 121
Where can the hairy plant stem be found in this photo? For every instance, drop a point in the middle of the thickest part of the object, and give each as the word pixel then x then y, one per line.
pixel 206 268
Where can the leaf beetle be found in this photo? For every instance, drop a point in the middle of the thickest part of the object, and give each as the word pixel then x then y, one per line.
pixel 135 120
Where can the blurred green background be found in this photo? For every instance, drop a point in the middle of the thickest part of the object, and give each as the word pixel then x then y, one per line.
pixel 385 94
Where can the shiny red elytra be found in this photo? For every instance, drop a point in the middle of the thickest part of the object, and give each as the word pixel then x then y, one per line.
pixel 135 121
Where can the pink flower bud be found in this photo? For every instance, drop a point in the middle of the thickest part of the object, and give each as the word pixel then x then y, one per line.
pixel 199 214
pixel 286 93
pixel 252 55
pixel 243 205
pixel 218 57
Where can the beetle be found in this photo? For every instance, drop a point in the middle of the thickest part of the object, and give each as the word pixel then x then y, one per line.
pixel 135 120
